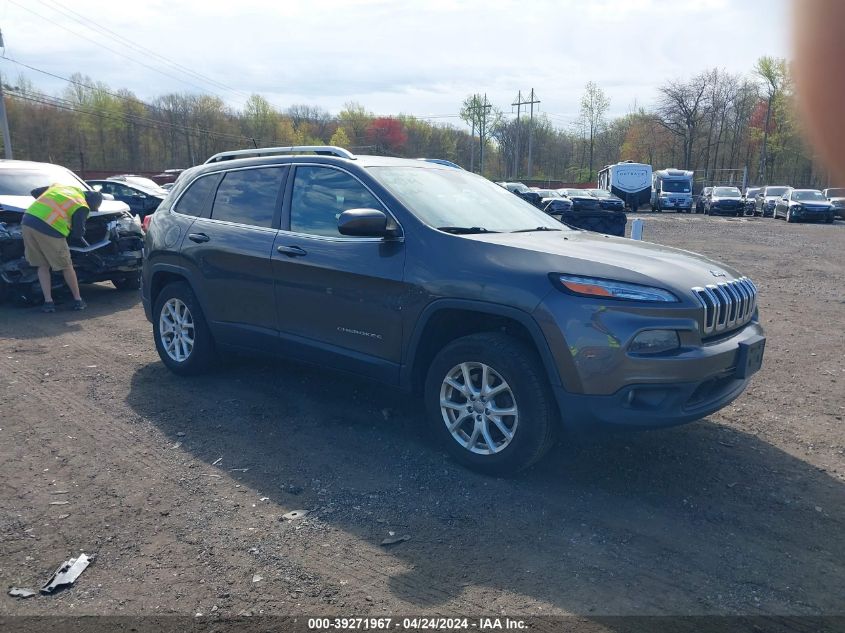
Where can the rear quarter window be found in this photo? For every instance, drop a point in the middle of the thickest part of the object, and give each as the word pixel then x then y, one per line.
pixel 193 201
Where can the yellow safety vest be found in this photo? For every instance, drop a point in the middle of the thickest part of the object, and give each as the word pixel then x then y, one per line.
pixel 57 205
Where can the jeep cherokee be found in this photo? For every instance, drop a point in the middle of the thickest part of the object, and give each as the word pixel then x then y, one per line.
pixel 510 325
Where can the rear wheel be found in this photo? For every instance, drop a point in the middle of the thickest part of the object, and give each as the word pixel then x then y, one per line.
pixel 490 404
pixel 182 337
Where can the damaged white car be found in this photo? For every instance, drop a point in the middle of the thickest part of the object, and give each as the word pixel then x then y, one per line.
pixel 114 249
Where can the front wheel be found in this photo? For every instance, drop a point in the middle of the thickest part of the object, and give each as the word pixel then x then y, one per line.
pixel 789 218
pixel 182 337
pixel 490 404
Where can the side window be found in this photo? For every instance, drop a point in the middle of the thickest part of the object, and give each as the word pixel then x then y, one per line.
pixel 320 195
pixel 193 200
pixel 248 196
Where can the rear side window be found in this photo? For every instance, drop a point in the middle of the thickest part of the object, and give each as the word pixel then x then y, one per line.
pixel 320 195
pixel 193 200
pixel 248 196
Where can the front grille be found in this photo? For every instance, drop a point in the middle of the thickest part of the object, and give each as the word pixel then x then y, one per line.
pixel 727 305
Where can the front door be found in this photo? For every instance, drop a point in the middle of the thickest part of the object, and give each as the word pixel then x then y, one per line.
pixel 339 298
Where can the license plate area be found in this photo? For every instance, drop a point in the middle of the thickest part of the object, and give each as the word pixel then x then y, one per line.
pixel 750 357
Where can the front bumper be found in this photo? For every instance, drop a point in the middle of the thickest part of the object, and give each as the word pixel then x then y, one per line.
pixel 675 204
pixel 602 384
pixel 813 216
pixel 111 258
pixel 724 210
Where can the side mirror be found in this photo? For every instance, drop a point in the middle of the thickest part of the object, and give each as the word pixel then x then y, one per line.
pixel 366 223
pixel 107 196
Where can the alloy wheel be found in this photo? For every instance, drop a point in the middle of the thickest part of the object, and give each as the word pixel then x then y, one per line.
pixel 176 330
pixel 478 408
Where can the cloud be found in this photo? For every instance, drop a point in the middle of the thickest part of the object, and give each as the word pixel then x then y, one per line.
pixel 421 56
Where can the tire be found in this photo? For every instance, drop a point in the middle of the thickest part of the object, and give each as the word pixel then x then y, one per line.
pixel 527 391
pixel 132 281
pixel 200 356
pixel 789 219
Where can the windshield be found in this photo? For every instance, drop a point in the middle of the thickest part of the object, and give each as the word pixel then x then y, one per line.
pixel 676 186
pixel 548 193
pixel 726 192
pixel 808 196
pixel 753 191
pixel 776 191
pixel 453 198
pixel 601 193
pixel 20 182
pixel 836 193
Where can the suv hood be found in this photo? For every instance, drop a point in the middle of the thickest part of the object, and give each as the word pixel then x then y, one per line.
pixel 596 255
pixel 21 203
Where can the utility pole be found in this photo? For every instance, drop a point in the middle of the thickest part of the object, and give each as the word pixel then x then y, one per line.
pixel 531 101
pixel 518 105
pixel 483 109
pixel 7 138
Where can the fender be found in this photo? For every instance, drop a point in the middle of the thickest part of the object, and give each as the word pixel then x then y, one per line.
pixel 176 269
pixel 521 317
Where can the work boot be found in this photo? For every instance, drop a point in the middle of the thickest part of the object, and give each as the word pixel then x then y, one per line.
pixel 79 304
pixel 48 306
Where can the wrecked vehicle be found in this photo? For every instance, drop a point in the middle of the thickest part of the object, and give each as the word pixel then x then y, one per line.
pixel 114 237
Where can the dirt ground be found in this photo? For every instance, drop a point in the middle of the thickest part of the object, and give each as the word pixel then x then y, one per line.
pixel 178 485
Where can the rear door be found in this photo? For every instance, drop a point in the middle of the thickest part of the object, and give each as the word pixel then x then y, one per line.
pixel 339 298
pixel 230 250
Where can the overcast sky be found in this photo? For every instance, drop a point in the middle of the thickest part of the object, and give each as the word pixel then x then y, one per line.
pixel 414 57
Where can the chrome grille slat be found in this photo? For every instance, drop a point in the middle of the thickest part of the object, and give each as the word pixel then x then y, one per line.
pixel 727 305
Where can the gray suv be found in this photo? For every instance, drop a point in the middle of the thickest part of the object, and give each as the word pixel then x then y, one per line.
pixel 510 325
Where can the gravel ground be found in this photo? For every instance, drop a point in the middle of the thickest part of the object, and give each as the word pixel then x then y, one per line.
pixel 179 485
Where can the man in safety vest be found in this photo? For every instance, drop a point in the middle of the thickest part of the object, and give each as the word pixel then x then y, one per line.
pixel 58 214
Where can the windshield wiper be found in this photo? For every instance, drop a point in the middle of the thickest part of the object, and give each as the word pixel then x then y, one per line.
pixel 537 228
pixel 464 230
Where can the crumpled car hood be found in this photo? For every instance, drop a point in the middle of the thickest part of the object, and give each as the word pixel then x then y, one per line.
pixel 21 203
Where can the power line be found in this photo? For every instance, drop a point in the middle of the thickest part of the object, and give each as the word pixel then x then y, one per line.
pixel 116 52
pixel 125 98
pixel 93 25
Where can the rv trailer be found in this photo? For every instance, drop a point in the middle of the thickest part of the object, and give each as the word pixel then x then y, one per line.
pixel 627 180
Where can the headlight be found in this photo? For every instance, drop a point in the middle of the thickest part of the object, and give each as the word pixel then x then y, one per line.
pixel 655 342
pixel 594 287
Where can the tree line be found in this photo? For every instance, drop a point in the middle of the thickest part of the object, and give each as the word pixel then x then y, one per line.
pixel 715 123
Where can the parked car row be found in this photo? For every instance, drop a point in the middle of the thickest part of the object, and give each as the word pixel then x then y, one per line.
pixel 795 205
pixel 774 201
pixel 589 209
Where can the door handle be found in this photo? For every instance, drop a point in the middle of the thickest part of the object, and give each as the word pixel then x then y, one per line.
pixel 291 251
pixel 199 238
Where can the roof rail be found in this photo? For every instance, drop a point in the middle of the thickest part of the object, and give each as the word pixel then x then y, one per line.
pixel 329 150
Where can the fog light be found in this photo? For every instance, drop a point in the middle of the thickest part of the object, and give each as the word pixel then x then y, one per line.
pixel 655 342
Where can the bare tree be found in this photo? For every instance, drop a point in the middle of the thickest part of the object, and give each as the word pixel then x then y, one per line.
pixel 681 109
pixel 772 72
pixel 594 105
